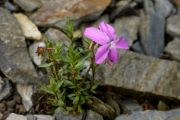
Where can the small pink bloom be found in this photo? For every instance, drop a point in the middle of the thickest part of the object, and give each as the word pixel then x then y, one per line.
pixel 106 37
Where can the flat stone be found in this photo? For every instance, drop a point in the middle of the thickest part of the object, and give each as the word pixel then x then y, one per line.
pixel 15 61
pixel 56 36
pixel 130 105
pixel 173 49
pixel 164 7
pixel 6 90
pixel 14 116
pixel 28 27
pixel 137 72
pixel 152 34
pixel 55 11
pixel 90 116
pixel 44 117
pixel 1 83
pixel 152 115
pixel 152 29
pixel 37 59
pixel 129 27
pixel 173 25
pixel 26 92
pixel 28 5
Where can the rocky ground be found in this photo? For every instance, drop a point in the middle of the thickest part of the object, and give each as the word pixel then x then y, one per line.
pixel 145 84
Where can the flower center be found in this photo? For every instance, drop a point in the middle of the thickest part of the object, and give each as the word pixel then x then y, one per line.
pixel 112 45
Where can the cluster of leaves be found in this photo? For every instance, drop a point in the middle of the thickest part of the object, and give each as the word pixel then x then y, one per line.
pixel 68 89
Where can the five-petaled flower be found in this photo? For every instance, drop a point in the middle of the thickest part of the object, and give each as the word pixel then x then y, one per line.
pixel 109 43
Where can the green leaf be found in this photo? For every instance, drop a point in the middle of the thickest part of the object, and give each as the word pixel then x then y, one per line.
pixel 45 65
pixel 69 108
pixel 76 100
pixel 60 103
pixel 48 90
pixel 59 84
pixel 71 96
pixel 82 61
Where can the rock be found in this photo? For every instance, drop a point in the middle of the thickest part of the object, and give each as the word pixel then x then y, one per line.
pixel 177 3
pixel 37 59
pixel 29 28
pixel 54 11
pixel 102 108
pixel 152 115
pixel 3 107
pixel 31 117
pixel 162 106
pixel 56 36
pixel 10 6
pixel 138 47
pixel 143 74
pixel 6 90
pixel 1 83
pixel 164 7
pixel 173 25
pixel 1 116
pixel 44 117
pixel 129 27
pixel 26 92
pixel 173 49
pixel 123 7
pixel 14 116
pixel 152 30
pixel 13 49
pixel 130 105
pixel 28 5
pixel 90 116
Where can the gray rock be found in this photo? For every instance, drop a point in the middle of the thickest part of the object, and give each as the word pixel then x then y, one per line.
pixel 15 61
pixel 122 7
pixel 14 116
pixel 26 92
pixel 31 117
pixel 1 83
pixel 10 6
pixel 137 72
pixel 129 27
pixel 37 59
pixel 56 36
pixel 173 25
pixel 138 47
pixel 130 105
pixel 152 115
pixel 53 12
pixel 173 49
pixel 152 30
pixel 90 116
pixel 44 117
pixel 6 89
pixel 164 7
pixel 28 5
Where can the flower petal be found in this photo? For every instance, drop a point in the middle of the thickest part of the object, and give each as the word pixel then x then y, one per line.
pixel 113 55
pixel 122 43
pixel 96 35
pixel 108 29
pixel 101 54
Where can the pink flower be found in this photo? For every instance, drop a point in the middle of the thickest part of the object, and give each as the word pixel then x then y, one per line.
pixel 109 43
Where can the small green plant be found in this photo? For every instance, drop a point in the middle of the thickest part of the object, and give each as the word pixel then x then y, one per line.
pixel 69 88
